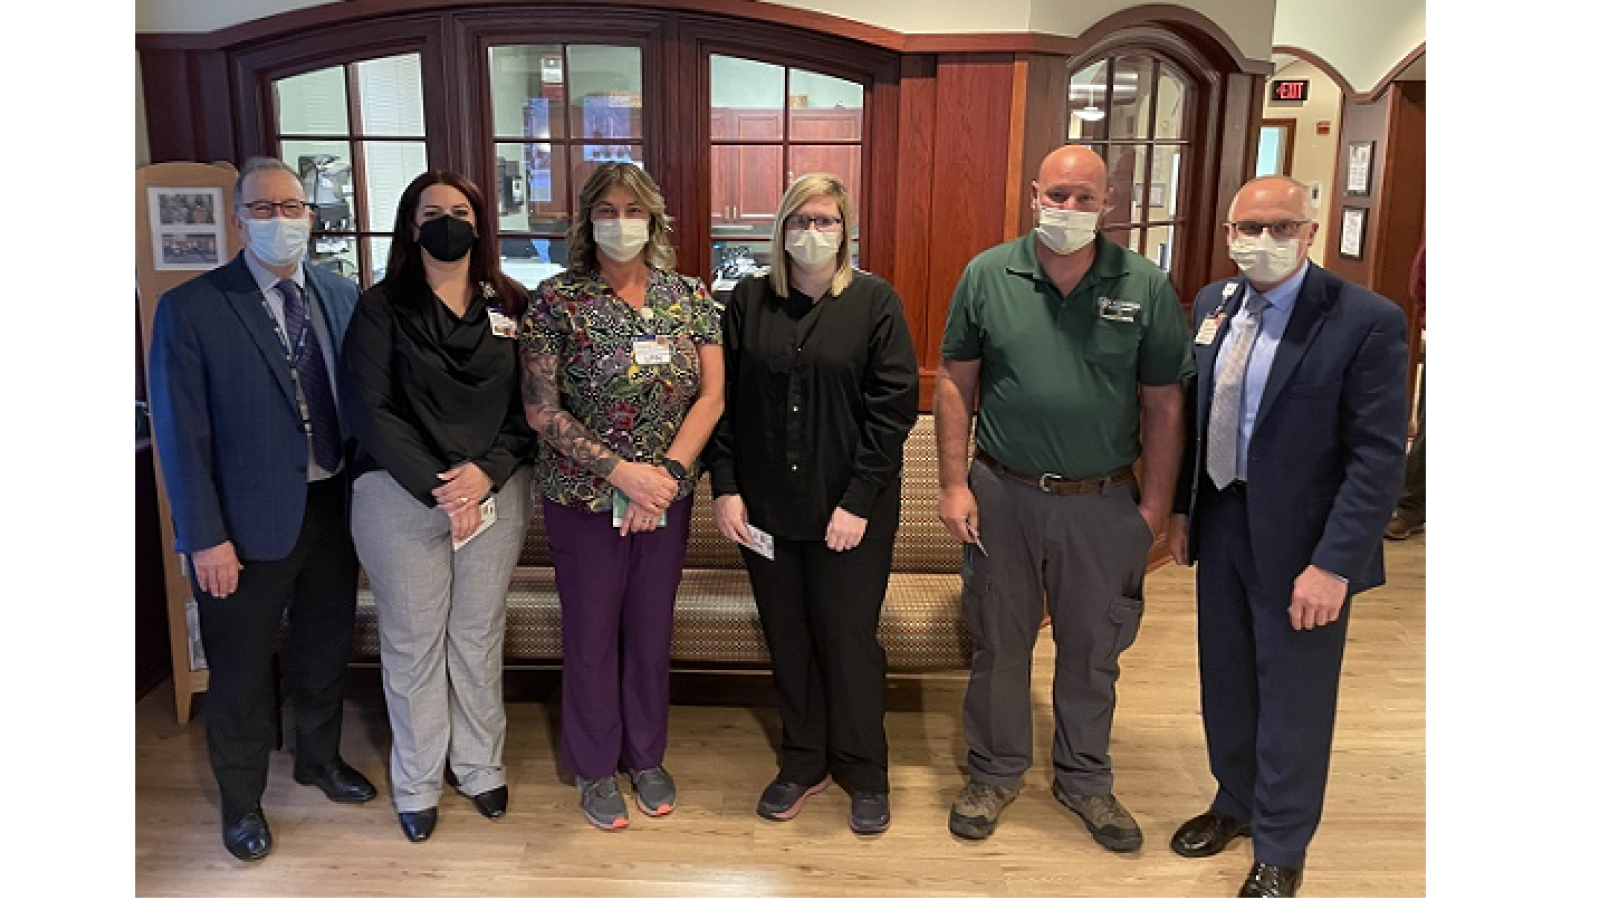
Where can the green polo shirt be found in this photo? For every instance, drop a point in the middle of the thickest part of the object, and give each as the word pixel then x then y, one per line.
pixel 1058 390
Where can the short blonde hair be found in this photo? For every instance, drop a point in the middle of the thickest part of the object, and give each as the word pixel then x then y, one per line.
pixel 805 189
pixel 581 250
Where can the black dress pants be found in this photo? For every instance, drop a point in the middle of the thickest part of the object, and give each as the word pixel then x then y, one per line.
pixel 819 612
pixel 314 589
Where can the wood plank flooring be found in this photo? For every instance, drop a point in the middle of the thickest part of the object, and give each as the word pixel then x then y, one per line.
pixel 1372 841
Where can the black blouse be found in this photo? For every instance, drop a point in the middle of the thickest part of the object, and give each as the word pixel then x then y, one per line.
pixel 425 390
pixel 821 397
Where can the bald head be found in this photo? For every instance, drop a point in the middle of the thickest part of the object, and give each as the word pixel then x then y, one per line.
pixel 1074 163
pixel 1271 197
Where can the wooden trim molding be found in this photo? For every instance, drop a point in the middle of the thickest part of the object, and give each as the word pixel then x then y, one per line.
pixel 1350 93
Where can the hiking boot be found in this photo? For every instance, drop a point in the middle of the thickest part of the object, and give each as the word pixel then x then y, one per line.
pixel 602 803
pixel 1109 821
pixel 781 801
pixel 977 808
pixel 869 813
pixel 653 790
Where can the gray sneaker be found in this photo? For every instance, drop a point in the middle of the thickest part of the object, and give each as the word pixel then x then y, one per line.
pixel 1109 821
pixel 977 808
pixel 602 803
pixel 653 790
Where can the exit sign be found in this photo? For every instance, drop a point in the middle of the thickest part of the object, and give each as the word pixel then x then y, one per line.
pixel 1293 90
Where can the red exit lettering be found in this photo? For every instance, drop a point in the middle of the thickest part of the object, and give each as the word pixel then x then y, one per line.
pixel 1294 90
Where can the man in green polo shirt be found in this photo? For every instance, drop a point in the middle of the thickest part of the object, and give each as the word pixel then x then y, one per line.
pixel 1073 351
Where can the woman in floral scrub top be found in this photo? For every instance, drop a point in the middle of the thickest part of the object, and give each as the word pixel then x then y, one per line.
pixel 622 378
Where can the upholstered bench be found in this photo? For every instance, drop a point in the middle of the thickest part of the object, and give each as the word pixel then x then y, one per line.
pixel 715 623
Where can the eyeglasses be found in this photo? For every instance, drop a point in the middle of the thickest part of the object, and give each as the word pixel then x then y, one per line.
pixel 1282 230
pixel 291 209
pixel 798 220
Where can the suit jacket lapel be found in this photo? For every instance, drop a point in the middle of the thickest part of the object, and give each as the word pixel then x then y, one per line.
pixel 244 297
pixel 1310 311
pixel 1205 355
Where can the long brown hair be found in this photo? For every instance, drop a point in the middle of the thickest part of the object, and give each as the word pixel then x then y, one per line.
pixel 405 277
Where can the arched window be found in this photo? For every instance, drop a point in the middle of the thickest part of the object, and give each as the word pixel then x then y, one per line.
pixel 1136 111
pixel 355 133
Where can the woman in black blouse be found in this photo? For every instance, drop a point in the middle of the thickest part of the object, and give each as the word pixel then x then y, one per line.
pixel 822 391
pixel 431 385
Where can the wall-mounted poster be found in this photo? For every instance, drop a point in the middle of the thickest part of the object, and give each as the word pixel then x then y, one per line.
pixel 1352 232
pixel 186 228
pixel 1358 168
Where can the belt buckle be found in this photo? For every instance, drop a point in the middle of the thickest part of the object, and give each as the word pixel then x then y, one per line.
pixel 1046 478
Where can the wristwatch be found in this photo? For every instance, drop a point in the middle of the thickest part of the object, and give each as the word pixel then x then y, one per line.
pixel 674 468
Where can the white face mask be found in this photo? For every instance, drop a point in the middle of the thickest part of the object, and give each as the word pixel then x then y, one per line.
pixel 1263 259
pixel 1066 230
pixel 621 239
pixel 811 249
pixel 278 241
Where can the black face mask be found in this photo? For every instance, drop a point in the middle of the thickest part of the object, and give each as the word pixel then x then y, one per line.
pixel 447 238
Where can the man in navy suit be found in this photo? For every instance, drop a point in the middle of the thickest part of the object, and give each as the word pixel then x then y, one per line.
pixel 1298 427
pixel 242 401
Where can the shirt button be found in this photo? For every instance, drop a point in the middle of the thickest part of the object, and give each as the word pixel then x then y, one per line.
pixel 797 409
pixel 794 468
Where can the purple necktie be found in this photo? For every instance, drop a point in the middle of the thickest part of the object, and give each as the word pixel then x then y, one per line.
pixel 314 382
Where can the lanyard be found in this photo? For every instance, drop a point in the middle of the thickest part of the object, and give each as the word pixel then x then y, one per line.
pixel 293 356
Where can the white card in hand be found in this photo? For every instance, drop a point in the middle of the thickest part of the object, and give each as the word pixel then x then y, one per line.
pixel 486 517
pixel 760 541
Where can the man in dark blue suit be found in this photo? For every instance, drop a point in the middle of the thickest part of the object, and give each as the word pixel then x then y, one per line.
pixel 1298 427
pixel 242 400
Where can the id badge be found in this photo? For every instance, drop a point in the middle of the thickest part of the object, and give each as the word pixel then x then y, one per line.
pixel 502 325
pixel 1208 330
pixel 1119 310
pixel 651 351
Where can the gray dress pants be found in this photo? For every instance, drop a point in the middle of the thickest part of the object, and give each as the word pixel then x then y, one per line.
pixel 441 632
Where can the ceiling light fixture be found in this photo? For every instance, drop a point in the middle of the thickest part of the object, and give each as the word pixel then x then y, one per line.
pixel 1090 113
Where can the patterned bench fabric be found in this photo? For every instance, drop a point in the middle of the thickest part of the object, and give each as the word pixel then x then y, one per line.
pixel 715 621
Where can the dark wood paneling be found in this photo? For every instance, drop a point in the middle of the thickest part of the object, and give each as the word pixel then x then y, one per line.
pixel 972 175
pixel 908 243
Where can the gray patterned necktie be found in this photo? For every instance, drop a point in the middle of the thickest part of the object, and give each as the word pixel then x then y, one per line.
pixel 1222 435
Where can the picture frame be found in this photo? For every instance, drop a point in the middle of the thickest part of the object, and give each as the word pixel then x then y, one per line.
pixel 186 228
pixel 1358 168
pixel 1352 232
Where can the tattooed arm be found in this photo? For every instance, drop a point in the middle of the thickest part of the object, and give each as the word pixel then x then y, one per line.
pixel 647 487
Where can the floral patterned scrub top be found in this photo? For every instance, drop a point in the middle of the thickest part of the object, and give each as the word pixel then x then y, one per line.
pixel 634 408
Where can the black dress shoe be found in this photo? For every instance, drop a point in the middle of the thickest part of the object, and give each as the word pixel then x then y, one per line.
pixel 418 825
pixel 492 803
pixel 1270 881
pixel 339 781
pixel 248 836
pixel 1207 834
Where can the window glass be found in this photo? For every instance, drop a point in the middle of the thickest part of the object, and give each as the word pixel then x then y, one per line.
pixel 1087 102
pixel 313 103
pixel 525 83
pixel 389 167
pixel 770 125
pixel 1131 93
pixel 354 175
pixel 390 93
pixel 559 110
pixel 1134 111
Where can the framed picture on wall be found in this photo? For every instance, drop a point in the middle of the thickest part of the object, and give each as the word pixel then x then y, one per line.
pixel 1358 168
pixel 186 228
pixel 1352 232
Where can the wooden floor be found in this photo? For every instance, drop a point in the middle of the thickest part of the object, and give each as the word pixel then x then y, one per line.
pixel 1372 841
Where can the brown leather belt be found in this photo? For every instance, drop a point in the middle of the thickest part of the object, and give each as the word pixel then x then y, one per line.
pixel 1060 485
